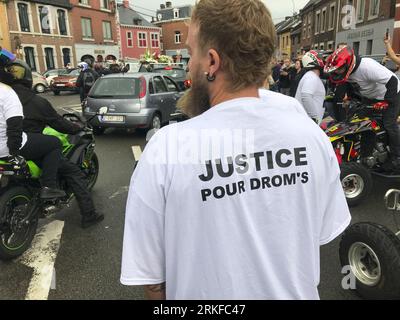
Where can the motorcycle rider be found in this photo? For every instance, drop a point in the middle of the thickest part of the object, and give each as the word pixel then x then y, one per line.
pixel 311 91
pixel 16 145
pixel 374 83
pixel 39 113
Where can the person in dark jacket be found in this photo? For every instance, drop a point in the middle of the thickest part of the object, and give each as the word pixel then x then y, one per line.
pixel 38 114
pixel 295 76
pixel 86 79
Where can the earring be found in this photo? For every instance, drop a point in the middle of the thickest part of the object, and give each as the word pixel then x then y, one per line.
pixel 210 78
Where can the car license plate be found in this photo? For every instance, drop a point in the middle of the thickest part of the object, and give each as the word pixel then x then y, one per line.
pixel 60 85
pixel 113 118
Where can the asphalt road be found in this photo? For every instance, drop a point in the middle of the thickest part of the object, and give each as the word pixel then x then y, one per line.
pixel 87 265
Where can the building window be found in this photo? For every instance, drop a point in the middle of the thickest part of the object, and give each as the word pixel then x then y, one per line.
pixel 137 22
pixel 304 33
pixel 44 19
pixel 107 33
pixel 105 4
pixel 309 32
pixel 142 38
pixel 155 43
pixel 332 12
pixel 369 47
pixel 23 17
pixel 178 37
pixel 321 46
pixel 374 8
pixel 176 13
pixel 62 22
pixel 49 55
pixel 360 10
pixel 86 28
pixel 84 2
pixel 66 56
pixel 356 47
pixel 323 20
pixel 309 18
pixel 317 21
pixel 30 57
pixel 129 39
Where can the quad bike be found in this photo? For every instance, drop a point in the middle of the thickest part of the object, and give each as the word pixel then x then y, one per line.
pixel 20 204
pixel 373 253
pixel 361 146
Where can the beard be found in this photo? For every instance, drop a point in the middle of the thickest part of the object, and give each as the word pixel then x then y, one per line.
pixel 195 100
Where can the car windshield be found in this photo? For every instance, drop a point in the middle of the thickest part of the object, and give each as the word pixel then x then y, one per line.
pixel 116 88
pixel 74 73
pixel 173 73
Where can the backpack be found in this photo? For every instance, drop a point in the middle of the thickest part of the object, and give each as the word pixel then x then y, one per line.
pixel 88 80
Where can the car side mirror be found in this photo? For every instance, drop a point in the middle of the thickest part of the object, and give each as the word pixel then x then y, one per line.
pixel 126 68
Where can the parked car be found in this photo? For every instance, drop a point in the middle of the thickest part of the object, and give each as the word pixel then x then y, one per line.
pixel 178 74
pixel 51 74
pixel 134 100
pixel 65 82
pixel 40 83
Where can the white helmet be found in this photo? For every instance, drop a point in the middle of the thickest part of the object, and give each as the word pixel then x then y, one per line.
pixel 83 65
pixel 313 60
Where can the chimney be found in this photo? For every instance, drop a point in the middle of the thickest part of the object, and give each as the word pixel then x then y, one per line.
pixel 125 3
pixel 168 4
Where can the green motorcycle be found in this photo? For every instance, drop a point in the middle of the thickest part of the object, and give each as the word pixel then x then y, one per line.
pixel 20 204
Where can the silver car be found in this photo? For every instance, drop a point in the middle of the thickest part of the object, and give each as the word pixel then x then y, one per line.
pixel 134 100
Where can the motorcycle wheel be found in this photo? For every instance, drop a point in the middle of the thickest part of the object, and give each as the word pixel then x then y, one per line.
pixel 356 181
pixel 92 171
pixel 373 253
pixel 15 238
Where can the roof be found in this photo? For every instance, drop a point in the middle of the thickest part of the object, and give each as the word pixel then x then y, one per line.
pixel 146 75
pixel 56 3
pixel 127 16
pixel 309 4
pixel 288 24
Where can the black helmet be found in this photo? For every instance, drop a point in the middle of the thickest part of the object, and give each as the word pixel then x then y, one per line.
pixel 21 72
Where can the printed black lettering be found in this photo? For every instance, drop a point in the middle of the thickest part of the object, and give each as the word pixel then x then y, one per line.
pixel 220 169
pixel 210 172
pixel 241 186
pixel 205 193
pixel 299 155
pixel 243 165
pixel 289 179
pixel 219 192
pixel 304 176
pixel 230 192
pixel 279 160
pixel 257 157
pixel 270 161
pixel 255 184
pixel 265 182
pixel 277 181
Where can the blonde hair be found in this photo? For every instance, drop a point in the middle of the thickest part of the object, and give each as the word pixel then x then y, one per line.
pixel 243 34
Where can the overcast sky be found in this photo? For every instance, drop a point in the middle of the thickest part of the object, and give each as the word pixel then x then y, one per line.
pixel 279 8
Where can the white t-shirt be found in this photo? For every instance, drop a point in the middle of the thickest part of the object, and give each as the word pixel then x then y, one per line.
pixel 311 84
pixel 10 107
pixel 251 233
pixel 370 79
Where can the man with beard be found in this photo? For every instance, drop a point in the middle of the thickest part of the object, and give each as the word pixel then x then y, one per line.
pixel 215 200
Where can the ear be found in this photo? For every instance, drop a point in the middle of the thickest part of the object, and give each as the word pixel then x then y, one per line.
pixel 214 62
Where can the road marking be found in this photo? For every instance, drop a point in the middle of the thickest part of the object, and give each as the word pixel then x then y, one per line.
pixel 137 152
pixel 41 257
pixel 121 190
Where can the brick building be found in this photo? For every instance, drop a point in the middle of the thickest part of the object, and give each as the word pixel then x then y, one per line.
pixel 325 24
pixel 307 18
pixel 41 33
pixel 137 34
pixel 94 26
pixel 365 27
pixel 4 29
pixel 173 21
pixel 284 38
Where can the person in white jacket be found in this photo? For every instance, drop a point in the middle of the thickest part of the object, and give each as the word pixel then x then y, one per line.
pixel 311 91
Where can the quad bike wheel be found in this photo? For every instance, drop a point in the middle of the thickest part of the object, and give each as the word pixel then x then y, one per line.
pixel 373 253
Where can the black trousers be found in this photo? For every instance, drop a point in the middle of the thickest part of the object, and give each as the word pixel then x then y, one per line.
pixel 77 182
pixel 46 152
pixel 392 128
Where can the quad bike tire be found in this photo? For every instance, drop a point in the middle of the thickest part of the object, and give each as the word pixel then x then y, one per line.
pixel 373 253
pixel 356 181
pixel 22 195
